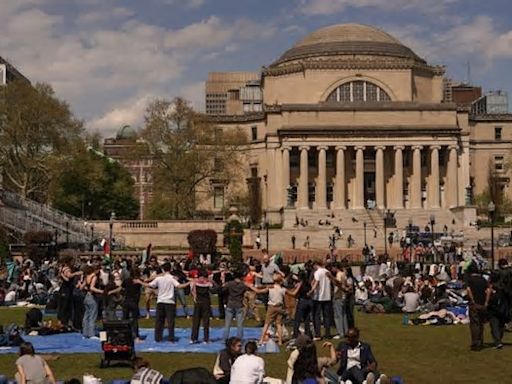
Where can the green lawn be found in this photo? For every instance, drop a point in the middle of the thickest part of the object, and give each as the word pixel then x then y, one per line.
pixel 420 354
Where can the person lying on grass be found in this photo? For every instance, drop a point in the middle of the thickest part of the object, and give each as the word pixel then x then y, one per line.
pixel 275 310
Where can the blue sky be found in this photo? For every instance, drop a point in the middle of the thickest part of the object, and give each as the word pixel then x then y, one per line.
pixel 109 58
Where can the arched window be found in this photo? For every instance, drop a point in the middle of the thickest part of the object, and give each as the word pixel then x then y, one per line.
pixel 358 91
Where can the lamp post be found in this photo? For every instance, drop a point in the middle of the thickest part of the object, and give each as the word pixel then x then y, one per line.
pixel 410 239
pixel 491 208
pixel 111 227
pixel 432 223
pixel 266 211
pixel 387 217
pixel 67 233
pixel 364 226
pixel 92 237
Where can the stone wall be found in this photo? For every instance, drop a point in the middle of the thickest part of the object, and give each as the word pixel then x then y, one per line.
pixel 138 234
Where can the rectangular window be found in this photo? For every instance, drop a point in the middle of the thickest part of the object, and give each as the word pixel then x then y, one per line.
pixel 218 197
pixel 498 133
pixel 254 133
pixel 498 163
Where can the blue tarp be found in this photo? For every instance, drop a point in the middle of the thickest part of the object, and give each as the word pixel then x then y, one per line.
pixel 75 343
pixel 142 312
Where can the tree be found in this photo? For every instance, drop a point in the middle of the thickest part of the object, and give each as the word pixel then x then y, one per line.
pixel 202 241
pixel 93 186
pixel 188 153
pixel 37 131
pixel 233 237
pixel 494 192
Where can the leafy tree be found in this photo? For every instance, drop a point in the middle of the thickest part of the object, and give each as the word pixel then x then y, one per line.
pixel 494 193
pixel 37 131
pixel 93 186
pixel 187 152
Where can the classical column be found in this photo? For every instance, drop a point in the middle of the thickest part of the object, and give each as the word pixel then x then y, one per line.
pixel 399 176
pixel 415 198
pixel 321 185
pixel 379 175
pixel 452 182
pixel 286 174
pixel 434 176
pixel 358 198
pixel 339 187
pixel 303 179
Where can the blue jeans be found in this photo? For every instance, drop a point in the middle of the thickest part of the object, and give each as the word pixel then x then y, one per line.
pixel 90 316
pixel 340 316
pixel 182 299
pixel 303 314
pixel 237 313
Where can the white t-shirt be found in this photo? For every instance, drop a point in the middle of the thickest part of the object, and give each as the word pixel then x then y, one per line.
pixel 411 302
pixel 247 369
pixel 165 285
pixel 276 295
pixel 323 289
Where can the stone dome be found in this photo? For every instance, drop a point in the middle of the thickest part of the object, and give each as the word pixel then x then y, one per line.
pixel 348 39
pixel 126 132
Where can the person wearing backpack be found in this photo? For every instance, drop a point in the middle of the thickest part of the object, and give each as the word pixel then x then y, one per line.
pixel 32 368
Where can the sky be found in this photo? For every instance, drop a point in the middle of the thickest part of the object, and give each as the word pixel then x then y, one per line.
pixel 109 58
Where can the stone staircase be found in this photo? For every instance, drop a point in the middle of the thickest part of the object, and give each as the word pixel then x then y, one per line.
pixel 20 215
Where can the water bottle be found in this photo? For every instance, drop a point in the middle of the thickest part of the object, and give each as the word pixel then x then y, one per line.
pixel 405 319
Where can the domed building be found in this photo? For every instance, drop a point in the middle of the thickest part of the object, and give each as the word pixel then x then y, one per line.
pixel 353 119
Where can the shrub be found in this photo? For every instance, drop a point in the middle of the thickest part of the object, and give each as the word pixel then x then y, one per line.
pixel 233 235
pixel 202 241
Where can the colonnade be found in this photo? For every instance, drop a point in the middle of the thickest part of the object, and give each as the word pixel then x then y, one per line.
pixel 391 172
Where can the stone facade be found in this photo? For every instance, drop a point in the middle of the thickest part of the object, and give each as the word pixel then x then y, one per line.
pixel 353 118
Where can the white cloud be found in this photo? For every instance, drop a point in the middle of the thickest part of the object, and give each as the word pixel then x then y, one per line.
pixel 108 71
pixel 187 3
pixel 326 7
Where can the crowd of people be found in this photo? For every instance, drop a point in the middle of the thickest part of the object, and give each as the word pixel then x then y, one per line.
pixel 302 303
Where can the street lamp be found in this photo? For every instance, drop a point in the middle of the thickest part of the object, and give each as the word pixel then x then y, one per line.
pixel 410 239
pixel 432 223
pixel 111 226
pixel 364 226
pixel 67 233
pixel 266 211
pixel 491 208
pixel 92 237
pixel 387 217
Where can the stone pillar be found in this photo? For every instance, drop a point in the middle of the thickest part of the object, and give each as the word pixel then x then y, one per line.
pixel 452 179
pixel 358 200
pixel 340 183
pixel 302 197
pixel 399 177
pixel 415 198
pixel 434 176
pixel 321 185
pixel 379 176
pixel 286 174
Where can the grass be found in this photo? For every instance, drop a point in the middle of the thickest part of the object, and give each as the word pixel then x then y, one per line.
pixel 419 354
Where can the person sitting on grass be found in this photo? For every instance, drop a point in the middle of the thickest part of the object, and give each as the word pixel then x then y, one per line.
pixel 275 310
pixel 248 368
pixel 143 373
pixel 32 369
pixel 357 363
pixel 225 360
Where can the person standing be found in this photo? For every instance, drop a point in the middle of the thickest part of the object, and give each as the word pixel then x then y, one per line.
pixel 321 291
pixel 91 301
pixel 201 289
pixel 132 291
pixel 479 295
pixel 339 305
pixel 258 241
pixel 165 302
pixel 294 239
pixel 221 277
pixel 498 310
pixel 250 296
pixel 304 308
pixel 268 269
pixel 234 292
pixel 65 303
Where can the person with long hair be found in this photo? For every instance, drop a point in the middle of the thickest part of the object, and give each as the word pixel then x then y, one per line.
pixel 305 368
pixel 304 308
pixel 32 368
pixel 350 298
pixel 65 298
pixel 91 301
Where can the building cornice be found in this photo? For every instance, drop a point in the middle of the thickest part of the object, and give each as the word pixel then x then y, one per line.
pixel 492 117
pixel 351 64
pixel 380 106
pixel 350 130
pixel 245 118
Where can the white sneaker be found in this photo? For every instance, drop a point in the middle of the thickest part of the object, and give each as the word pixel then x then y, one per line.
pixel 337 337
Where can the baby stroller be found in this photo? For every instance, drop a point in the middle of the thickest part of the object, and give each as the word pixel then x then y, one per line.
pixel 117 343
